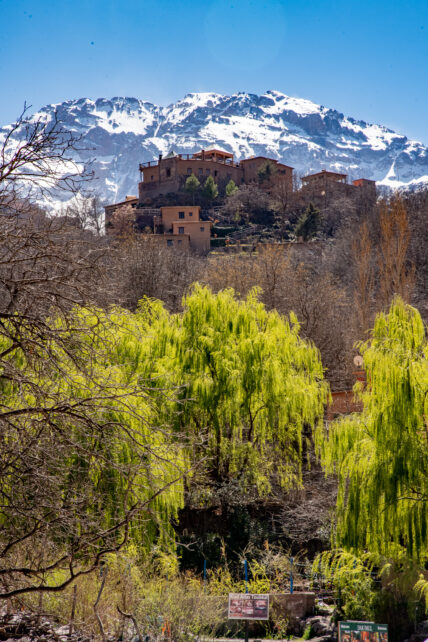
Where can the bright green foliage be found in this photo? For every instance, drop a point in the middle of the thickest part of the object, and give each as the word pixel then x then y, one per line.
pixel 231 188
pixel 86 414
pixel 249 385
pixel 210 189
pixel 352 578
pixel 308 223
pixel 381 454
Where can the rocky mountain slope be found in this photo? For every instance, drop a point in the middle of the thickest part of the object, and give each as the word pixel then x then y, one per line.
pixel 119 133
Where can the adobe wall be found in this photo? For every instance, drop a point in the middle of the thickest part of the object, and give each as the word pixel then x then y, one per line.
pixel 343 403
pixel 199 233
pixel 252 166
pixel 172 213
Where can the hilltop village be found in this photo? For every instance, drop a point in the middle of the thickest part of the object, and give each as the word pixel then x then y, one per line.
pixel 196 201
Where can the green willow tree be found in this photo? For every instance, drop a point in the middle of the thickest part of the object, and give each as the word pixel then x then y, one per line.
pixel 381 454
pixel 249 385
pixel 84 467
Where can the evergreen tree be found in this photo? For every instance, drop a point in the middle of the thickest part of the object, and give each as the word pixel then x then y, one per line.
pixel 192 185
pixel 231 188
pixel 308 224
pixel 210 189
pixel 381 454
pixel 266 171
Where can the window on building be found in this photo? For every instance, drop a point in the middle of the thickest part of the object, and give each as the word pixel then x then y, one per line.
pixel 202 229
pixel 169 242
pixel 152 177
pixel 207 172
pixel 190 213
pixel 168 172
pixel 215 172
pixel 200 171
pixel 180 214
pixel 189 171
pixel 228 176
pixel 180 242
pixel 181 230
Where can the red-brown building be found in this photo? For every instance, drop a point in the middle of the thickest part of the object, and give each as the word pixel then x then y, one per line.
pixel 175 226
pixel 169 174
pixel 181 227
pixel 326 183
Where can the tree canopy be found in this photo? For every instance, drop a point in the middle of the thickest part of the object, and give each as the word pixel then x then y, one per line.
pixel 82 463
pixel 308 224
pixel 249 384
pixel 381 454
pixel 231 188
pixel 192 185
pixel 210 189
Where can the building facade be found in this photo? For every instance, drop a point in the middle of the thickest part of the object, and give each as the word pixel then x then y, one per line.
pixel 180 225
pixel 176 226
pixel 327 183
pixel 169 174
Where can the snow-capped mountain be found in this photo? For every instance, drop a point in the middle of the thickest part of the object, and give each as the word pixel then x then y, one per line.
pixel 120 133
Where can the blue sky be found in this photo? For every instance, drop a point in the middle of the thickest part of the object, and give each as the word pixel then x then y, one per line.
pixel 368 59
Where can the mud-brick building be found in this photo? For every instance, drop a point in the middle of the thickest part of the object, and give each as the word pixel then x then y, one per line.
pixel 332 184
pixel 168 175
pixel 181 227
pixel 176 226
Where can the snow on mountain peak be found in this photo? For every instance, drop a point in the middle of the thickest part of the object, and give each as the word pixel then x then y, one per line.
pixel 282 102
pixel 125 131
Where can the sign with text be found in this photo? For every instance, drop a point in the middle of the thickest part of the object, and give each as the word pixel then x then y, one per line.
pixel 248 606
pixel 362 632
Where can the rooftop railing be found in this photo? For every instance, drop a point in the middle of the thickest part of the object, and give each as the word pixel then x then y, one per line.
pixel 190 157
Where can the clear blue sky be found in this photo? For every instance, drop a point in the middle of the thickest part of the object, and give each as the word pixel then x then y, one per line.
pixel 368 59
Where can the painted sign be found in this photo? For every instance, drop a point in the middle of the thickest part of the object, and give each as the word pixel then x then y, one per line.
pixel 248 606
pixel 362 632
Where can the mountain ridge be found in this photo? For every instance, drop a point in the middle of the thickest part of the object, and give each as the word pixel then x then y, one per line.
pixel 121 132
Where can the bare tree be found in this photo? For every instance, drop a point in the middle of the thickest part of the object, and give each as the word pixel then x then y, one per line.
pixel 288 284
pixel 364 279
pixel 396 276
pixel 282 199
pixel 87 212
pixel 36 158
pixel 143 266
pixel 66 498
